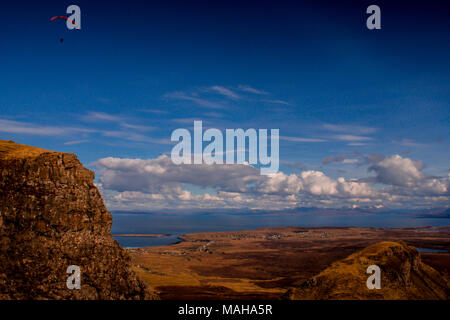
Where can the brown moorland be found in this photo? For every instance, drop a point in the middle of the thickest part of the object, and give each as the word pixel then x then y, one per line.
pixel 272 263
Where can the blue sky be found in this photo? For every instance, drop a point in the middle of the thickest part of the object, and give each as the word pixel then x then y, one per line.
pixel 337 91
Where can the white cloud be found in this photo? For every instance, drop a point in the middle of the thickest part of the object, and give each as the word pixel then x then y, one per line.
pixel 434 186
pixel 178 95
pixel 136 127
pixel 409 143
pixel 354 189
pixel 356 144
pixel 251 90
pixel 350 161
pixel 101 116
pixel 277 101
pixel 317 183
pixel 225 92
pixel 349 128
pixel 131 136
pixel 75 142
pixel 161 183
pixel 398 171
pixel 350 137
pixel 300 139
pixel 342 158
pixel 125 130
pixel 332 158
pixel 152 174
pixel 406 175
pixel 280 183
pixel 29 128
pixel 207 96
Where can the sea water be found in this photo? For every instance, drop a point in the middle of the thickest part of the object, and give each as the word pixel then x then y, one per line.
pixel 177 225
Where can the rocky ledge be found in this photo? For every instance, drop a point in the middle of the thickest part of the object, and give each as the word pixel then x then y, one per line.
pixel 53 216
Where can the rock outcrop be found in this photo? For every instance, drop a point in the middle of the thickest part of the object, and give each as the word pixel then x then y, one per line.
pixel 52 216
pixel 403 276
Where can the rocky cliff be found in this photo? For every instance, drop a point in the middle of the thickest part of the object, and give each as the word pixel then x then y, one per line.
pixel 52 216
pixel 403 276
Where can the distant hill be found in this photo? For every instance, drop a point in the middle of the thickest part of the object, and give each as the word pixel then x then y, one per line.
pixel 444 213
pixel 403 276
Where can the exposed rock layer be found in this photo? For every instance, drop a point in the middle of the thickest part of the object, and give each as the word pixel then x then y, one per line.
pixel 53 216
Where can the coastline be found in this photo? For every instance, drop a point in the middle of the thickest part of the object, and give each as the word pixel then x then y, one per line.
pixel 199 236
pixel 149 235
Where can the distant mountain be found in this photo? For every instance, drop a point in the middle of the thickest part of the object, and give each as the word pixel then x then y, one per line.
pixel 437 213
pixel 420 213
pixel 403 276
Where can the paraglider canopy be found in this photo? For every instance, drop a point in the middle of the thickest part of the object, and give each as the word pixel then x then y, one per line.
pixel 65 18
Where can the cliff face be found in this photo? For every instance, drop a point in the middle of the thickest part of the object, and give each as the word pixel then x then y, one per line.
pixel 403 276
pixel 52 216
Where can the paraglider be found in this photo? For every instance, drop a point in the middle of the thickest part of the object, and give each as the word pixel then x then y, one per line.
pixel 75 15
pixel 61 40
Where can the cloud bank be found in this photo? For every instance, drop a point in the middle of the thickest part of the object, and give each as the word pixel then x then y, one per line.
pixel 153 184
